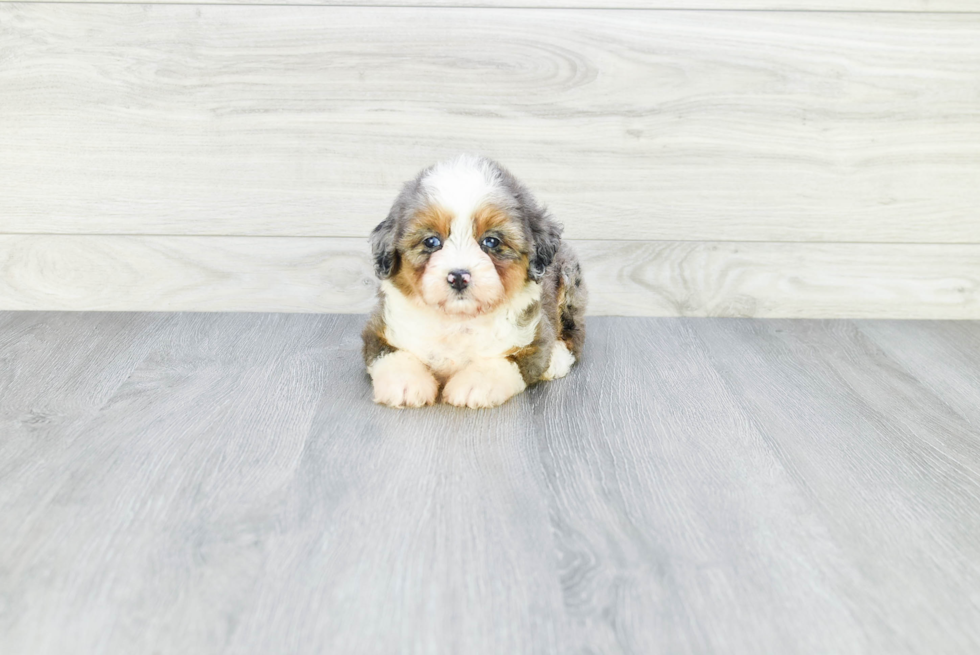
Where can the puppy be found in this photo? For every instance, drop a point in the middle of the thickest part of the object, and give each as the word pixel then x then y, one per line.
pixel 479 297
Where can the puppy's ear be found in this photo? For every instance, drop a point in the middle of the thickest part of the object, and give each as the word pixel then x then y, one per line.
pixel 383 248
pixel 545 239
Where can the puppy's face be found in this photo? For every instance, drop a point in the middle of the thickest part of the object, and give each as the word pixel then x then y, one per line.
pixel 461 263
pixel 461 238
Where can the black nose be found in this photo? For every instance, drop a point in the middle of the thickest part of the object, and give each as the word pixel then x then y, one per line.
pixel 458 279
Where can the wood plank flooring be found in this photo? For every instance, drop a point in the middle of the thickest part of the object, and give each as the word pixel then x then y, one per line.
pixel 221 483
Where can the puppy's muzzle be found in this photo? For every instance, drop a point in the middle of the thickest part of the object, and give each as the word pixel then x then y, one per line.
pixel 458 280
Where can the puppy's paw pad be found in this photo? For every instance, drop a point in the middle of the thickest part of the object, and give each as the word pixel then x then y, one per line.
pixel 403 382
pixel 483 386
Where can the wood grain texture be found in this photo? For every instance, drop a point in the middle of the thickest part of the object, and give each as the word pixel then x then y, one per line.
pixel 240 510
pixel 118 273
pixel 232 120
pixel 128 273
pixel 694 486
pixel 851 426
pixel 959 6
pixel 919 347
pixel 69 379
pixel 784 280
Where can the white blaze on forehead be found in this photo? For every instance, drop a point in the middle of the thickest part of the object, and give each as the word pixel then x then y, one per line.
pixel 462 185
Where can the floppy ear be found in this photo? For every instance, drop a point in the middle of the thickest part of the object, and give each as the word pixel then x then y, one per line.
pixel 545 239
pixel 383 248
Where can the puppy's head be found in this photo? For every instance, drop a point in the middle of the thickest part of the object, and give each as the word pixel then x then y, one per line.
pixel 463 237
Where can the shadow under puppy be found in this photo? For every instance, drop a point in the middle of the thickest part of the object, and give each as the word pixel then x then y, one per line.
pixel 478 297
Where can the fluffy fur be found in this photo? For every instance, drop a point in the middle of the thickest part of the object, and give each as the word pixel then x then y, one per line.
pixel 479 297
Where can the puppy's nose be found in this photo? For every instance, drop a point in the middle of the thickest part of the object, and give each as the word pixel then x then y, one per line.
pixel 458 279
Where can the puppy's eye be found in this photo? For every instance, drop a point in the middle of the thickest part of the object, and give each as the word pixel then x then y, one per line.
pixel 432 242
pixel 490 242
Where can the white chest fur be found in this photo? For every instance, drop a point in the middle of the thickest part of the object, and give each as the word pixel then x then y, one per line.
pixel 448 343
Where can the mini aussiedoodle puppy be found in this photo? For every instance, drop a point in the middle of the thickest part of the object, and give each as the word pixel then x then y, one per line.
pixel 479 296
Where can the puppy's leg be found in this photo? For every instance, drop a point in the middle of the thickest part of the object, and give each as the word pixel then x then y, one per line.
pixel 561 362
pixel 400 379
pixel 484 383
pixel 572 299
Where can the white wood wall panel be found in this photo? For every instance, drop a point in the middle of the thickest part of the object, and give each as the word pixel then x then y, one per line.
pixel 235 120
pixel 135 273
pixel 335 275
pixel 754 5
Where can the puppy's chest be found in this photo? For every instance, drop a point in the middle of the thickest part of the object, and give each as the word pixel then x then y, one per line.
pixel 448 344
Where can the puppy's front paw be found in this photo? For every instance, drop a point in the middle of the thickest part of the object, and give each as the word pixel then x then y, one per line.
pixel 484 384
pixel 401 380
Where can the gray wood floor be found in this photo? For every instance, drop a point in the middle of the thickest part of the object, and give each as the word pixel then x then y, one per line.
pixel 197 483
